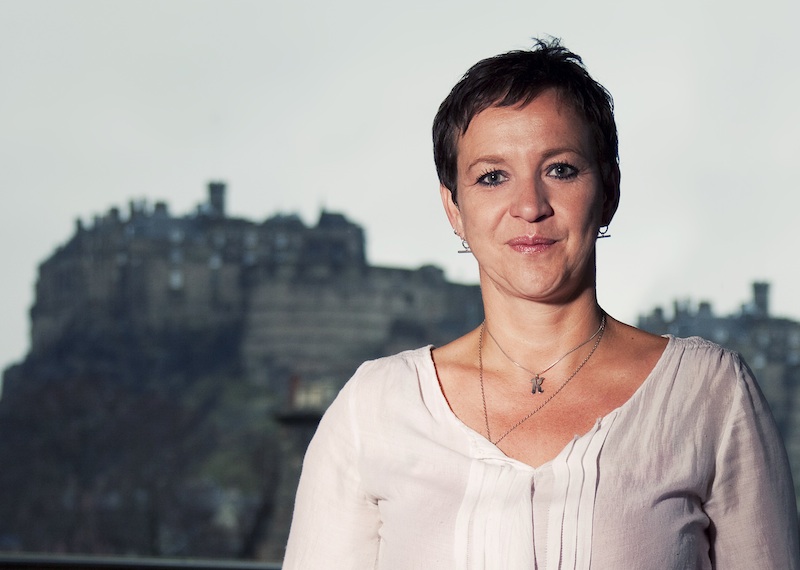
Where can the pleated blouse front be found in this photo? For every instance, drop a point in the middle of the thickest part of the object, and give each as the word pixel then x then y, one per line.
pixel 522 517
pixel 678 477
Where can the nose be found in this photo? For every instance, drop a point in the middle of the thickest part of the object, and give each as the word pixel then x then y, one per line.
pixel 530 201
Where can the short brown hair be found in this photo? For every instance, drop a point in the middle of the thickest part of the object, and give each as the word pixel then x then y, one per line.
pixel 516 78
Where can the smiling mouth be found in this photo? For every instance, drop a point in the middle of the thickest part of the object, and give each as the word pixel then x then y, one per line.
pixel 530 244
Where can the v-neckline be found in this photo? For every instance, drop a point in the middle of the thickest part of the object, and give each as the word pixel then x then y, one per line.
pixel 485 449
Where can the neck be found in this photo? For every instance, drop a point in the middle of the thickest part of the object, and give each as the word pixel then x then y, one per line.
pixel 534 334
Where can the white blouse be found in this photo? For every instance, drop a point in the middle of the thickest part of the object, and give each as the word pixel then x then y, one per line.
pixel 688 473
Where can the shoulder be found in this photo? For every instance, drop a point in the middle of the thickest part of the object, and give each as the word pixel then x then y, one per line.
pixel 377 386
pixel 389 375
pixel 697 344
pixel 407 359
pixel 696 367
pixel 393 368
pixel 727 370
pixel 699 354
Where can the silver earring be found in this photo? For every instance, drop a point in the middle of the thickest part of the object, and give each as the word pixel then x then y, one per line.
pixel 603 232
pixel 464 245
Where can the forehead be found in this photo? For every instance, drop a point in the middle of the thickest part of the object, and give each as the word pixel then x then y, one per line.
pixel 546 123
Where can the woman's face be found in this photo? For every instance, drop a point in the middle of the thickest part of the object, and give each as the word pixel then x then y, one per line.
pixel 530 199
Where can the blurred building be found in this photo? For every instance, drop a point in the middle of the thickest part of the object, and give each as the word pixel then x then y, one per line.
pixel 305 301
pixel 769 344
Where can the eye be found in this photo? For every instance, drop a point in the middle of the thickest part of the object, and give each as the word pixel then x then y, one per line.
pixel 562 171
pixel 493 178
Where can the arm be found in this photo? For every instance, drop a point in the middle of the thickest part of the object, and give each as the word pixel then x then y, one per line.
pixel 752 504
pixel 335 524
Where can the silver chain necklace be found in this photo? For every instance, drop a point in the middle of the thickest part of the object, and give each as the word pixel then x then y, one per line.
pixel 537 379
pixel 599 335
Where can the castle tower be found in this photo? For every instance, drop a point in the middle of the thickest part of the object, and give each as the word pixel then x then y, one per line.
pixel 761 299
pixel 216 199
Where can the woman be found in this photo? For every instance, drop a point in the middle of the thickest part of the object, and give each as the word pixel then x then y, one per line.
pixel 466 456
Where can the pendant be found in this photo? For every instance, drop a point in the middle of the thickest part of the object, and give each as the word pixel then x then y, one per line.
pixel 536 384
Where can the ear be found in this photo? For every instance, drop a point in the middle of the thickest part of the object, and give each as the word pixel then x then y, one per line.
pixel 610 195
pixel 451 209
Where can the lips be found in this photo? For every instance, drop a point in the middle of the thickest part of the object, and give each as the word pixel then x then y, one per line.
pixel 530 244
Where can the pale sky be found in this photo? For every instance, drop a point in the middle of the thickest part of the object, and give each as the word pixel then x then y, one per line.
pixel 303 105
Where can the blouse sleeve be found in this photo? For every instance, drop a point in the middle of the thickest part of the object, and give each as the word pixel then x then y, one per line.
pixel 751 502
pixel 335 524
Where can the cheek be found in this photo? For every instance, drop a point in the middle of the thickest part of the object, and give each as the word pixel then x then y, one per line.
pixel 585 210
pixel 597 207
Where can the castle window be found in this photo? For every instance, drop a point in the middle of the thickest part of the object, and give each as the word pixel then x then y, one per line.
pixel 176 279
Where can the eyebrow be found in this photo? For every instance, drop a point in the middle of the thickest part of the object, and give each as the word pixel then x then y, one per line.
pixel 490 159
pixel 559 150
pixel 497 159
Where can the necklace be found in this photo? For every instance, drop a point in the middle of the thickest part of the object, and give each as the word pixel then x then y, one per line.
pixel 599 335
pixel 537 378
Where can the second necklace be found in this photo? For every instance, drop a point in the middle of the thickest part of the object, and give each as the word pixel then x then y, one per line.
pixel 537 379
